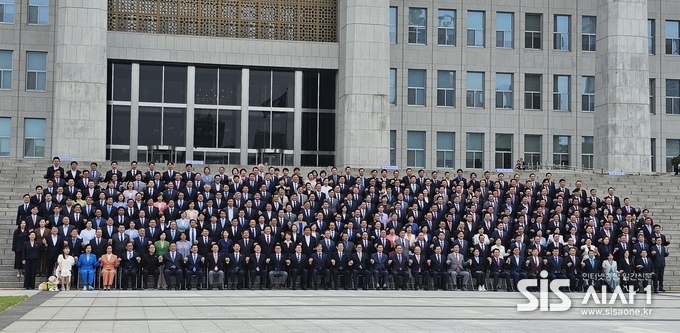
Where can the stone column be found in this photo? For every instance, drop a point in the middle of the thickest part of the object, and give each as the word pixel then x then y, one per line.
pixel 363 117
pixel 79 117
pixel 622 125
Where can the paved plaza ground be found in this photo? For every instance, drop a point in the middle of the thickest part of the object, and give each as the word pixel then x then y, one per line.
pixel 317 311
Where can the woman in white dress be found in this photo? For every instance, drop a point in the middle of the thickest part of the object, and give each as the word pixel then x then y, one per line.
pixel 88 233
pixel 130 193
pixel 191 212
pixel 611 271
pixel 65 263
pixel 589 247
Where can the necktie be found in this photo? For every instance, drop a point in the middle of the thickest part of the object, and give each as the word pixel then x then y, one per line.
pixel 172 255
pixel 298 257
pixel 129 255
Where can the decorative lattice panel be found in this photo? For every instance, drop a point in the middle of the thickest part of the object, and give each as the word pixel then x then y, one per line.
pixel 301 20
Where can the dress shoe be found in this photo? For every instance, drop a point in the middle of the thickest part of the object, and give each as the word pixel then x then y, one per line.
pixel 198 288
pixel 662 290
pixel 220 288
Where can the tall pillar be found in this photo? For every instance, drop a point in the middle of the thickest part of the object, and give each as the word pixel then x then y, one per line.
pixel 622 125
pixel 79 117
pixel 363 112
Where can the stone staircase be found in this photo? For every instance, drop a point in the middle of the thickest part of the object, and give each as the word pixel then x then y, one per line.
pixel 660 193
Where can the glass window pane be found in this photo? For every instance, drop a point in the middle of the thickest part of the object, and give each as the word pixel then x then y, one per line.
pixel 587 144
pixel 532 143
pixel 533 22
pixel 205 125
pixel 5 126
pixel 475 81
pixel 310 89
pixel 309 131
pixel 150 84
pixel 175 85
pixel 533 82
pixel 393 25
pixel 34 128
pixel 230 86
pixel 475 20
pixel 588 83
pixel 206 86
pixel 37 61
pixel 174 122
pixel 561 144
pixel 504 21
pixel 149 132
pixel 122 82
pixel 229 129
pixel 445 79
pixel 415 140
pixel 416 78
pixel 445 140
pixel 4 146
pixel 417 16
pixel 504 81
pixel 446 18
pixel 259 123
pixel 474 141
pixel 326 91
pixel 673 88
pixel 282 130
pixel 561 23
pixel 260 88
pixel 589 25
pixel 120 125
pixel 672 147
pixel 5 59
pixel 504 142
pixel 672 29
pixel 327 132
pixel 283 89
pixel 561 84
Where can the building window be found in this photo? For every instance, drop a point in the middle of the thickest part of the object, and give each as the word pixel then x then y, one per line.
pixel 474 150
pixel 445 144
pixel 532 150
pixel 561 150
pixel 652 100
pixel 5 135
pixel 34 137
pixel 446 88
pixel 588 93
pixel 504 91
pixel 393 25
pixel 36 71
pixel 532 91
pixel 672 150
pixel 588 33
pixel 587 152
pixel 446 30
pixel 474 95
pixel 393 86
pixel 475 28
pixel 653 147
pixel 417 26
pixel 393 147
pixel 561 93
pixel 650 36
pixel 415 149
pixel 222 128
pixel 38 11
pixel 504 30
pixel 562 32
pixel 5 69
pixel 6 11
pixel 533 34
pixel 672 96
pixel 272 88
pixel 504 151
pixel 673 37
pixel 416 87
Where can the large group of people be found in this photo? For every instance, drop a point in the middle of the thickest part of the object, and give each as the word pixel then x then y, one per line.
pixel 346 229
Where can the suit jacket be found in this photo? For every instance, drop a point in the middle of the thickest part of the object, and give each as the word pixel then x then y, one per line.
pixel 362 264
pixel 554 267
pixel 50 172
pixel 247 249
pixel 141 247
pixel 658 255
pixel 399 265
pixel 129 263
pixel 192 265
pixel 590 268
pixel 515 266
pixel 320 263
pixel 130 175
pixel 277 265
pixel 257 265
pixel 456 264
pixel 100 249
pixel 234 264
pixel 308 248
pixel 295 264
pixel 211 263
pixel 532 268
pixel 177 263
pixel 110 174
pixel 76 247
pixel 118 245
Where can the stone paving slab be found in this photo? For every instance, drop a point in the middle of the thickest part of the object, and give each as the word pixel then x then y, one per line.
pixel 318 311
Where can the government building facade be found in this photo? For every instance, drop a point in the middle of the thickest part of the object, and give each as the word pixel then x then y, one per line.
pixel 424 84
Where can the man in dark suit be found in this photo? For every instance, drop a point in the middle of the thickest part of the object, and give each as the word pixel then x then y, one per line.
pixel 340 267
pixel 418 265
pixel 130 260
pixel 236 271
pixel 297 263
pixel 319 262
pixel 645 266
pixel 173 266
pixel 131 175
pixel 516 263
pixel 24 209
pixel 534 265
pixel 55 167
pixel 216 265
pixel 554 266
pixel 114 171
pixel 497 270
pixel 53 244
pixel 399 265
pixel 659 254
pixel 572 269
pixel 142 243
pixel 257 264
pixel 119 241
pixel 98 244
pixel 379 262
pixel 437 269
pixel 359 262
pixel 193 264
pixel 277 266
